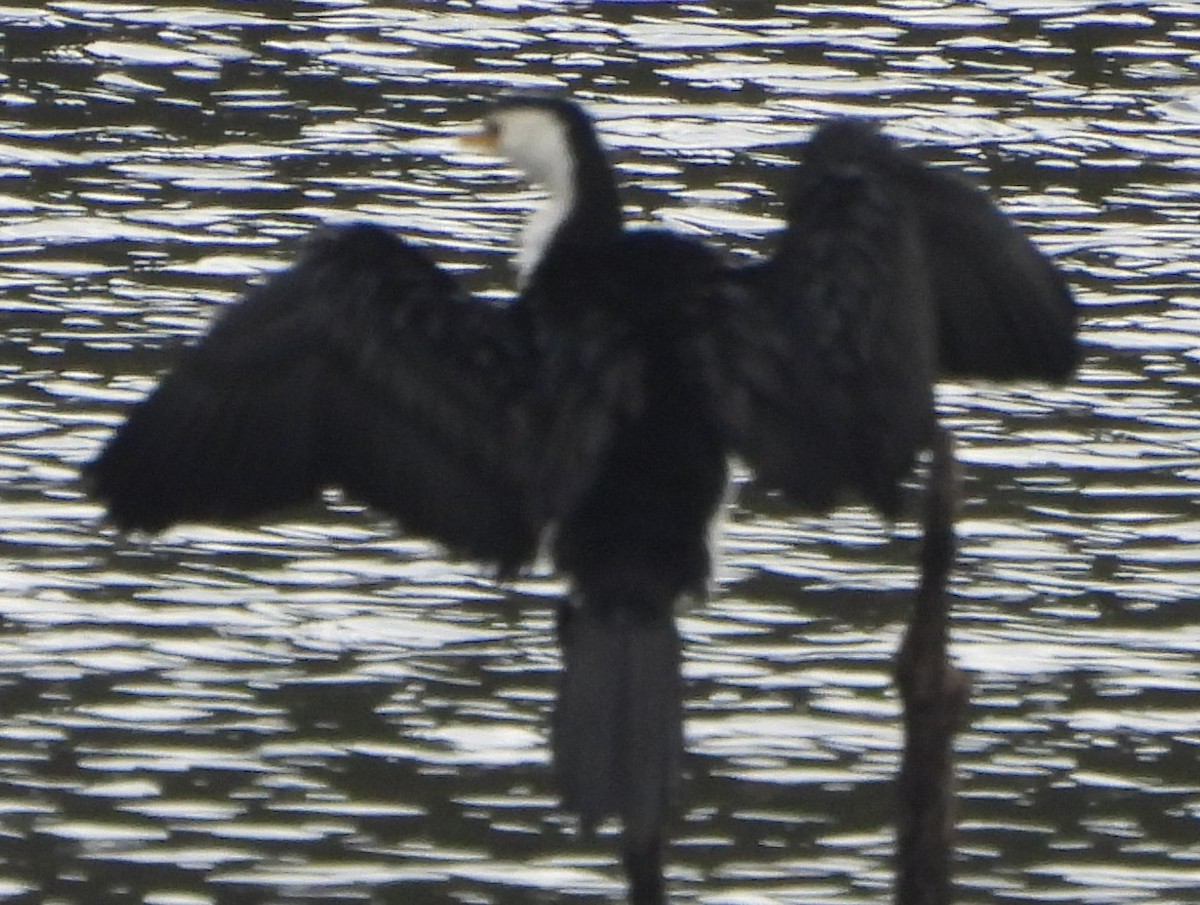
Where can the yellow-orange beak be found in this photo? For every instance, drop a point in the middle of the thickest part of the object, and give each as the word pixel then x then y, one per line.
pixel 485 141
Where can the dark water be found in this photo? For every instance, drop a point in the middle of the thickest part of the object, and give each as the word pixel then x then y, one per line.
pixel 323 710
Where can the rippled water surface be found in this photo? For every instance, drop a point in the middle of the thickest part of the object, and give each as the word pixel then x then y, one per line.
pixel 322 709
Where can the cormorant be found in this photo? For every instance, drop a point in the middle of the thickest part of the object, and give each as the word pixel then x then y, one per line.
pixel 598 409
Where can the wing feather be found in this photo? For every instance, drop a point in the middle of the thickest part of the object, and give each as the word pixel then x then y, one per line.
pixel 1004 310
pixel 888 275
pixel 823 358
pixel 362 366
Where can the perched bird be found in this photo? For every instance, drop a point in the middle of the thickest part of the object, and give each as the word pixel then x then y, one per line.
pixel 597 411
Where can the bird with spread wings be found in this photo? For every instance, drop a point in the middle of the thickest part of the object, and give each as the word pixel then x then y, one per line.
pixel 596 412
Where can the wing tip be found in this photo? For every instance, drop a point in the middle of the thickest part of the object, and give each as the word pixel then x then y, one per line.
pixel 127 506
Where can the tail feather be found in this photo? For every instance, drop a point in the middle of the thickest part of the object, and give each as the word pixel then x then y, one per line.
pixel 618 727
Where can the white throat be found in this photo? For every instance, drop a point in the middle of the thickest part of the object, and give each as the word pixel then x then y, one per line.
pixel 539 231
pixel 536 142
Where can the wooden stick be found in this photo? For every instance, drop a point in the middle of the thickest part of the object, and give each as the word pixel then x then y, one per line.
pixel 935 695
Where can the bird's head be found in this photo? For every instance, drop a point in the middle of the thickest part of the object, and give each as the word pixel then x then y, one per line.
pixel 553 143
pixel 544 137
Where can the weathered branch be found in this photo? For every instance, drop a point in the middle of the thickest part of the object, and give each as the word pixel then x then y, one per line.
pixel 935 695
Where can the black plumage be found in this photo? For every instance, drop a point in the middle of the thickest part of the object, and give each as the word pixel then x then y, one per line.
pixel 888 275
pixel 632 521
pixel 361 366
pixel 600 406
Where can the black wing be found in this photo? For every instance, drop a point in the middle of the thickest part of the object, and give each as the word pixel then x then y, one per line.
pixel 823 359
pixel 1004 310
pixel 362 366
pixel 888 275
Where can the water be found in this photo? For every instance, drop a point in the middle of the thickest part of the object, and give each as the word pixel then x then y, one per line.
pixel 320 709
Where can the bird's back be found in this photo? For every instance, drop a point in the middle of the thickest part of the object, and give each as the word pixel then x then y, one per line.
pixel 618 318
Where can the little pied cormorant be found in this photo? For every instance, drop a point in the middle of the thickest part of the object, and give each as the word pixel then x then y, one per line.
pixel 599 408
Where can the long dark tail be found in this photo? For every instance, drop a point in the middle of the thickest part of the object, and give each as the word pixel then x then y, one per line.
pixel 618 730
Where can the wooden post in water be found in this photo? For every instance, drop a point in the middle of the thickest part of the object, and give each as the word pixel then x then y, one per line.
pixel 935 695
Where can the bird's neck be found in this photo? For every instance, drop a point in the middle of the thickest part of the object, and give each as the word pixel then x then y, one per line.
pixel 542 228
pixel 581 207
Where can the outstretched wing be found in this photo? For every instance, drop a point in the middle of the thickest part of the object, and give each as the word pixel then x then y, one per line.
pixel 823 358
pixel 888 275
pixel 1004 310
pixel 363 366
